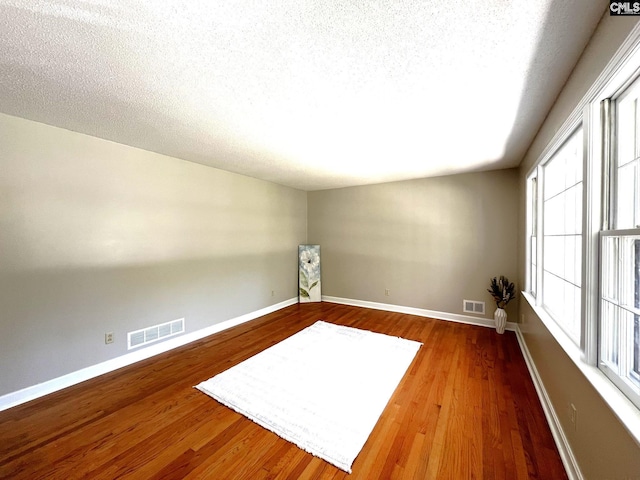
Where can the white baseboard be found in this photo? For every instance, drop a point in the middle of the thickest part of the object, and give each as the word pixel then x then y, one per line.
pixel 566 454
pixel 30 393
pixel 452 317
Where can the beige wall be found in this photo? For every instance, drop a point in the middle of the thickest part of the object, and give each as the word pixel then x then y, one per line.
pixel 99 237
pixel 601 445
pixel 431 242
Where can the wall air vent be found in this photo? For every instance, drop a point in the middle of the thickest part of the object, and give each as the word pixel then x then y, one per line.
pixel 149 335
pixel 473 306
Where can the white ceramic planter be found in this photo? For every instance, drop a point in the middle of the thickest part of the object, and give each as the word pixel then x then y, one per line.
pixel 500 317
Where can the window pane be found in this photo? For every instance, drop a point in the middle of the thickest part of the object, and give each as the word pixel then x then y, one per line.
pixel 532 212
pixel 627 192
pixel 609 335
pixel 626 130
pixel 553 255
pixel 562 241
pixel 609 278
pixel 620 308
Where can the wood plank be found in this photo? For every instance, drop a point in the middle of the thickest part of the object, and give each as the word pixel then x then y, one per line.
pixel 465 409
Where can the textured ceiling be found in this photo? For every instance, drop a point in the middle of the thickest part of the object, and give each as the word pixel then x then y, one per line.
pixel 311 94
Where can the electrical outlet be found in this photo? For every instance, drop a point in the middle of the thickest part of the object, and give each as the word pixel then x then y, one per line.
pixel 108 337
pixel 386 292
pixel 273 293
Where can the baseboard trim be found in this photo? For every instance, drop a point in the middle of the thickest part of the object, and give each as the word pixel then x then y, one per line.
pixel 566 454
pixel 451 317
pixel 50 386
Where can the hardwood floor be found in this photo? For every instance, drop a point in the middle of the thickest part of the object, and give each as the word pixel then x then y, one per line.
pixel 466 408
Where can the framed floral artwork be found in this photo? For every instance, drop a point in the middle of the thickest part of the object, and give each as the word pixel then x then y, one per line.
pixel 309 273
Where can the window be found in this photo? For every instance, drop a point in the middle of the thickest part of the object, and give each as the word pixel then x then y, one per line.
pixel 620 312
pixel 626 178
pixel 532 234
pixel 619 347
pixel 562 235
pixel 583 235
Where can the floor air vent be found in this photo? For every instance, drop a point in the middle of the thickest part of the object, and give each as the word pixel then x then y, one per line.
pixel 473 306
pixel 155 333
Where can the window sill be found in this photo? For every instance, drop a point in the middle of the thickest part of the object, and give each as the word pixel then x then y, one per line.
pixel 620 405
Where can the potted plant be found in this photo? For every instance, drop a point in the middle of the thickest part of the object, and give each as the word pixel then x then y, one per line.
pixel 502 292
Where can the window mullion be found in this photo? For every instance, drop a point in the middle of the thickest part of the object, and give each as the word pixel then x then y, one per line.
pixel 608 167
pixel 591 237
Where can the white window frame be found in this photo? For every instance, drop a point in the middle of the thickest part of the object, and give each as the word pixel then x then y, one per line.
pixel 610 226
pixel 629 386
pixel 574 123
pixel 531 228
pixel 539 172
pixel 621 70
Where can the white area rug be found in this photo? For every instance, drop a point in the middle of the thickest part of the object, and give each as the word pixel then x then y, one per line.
pixel 323 388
